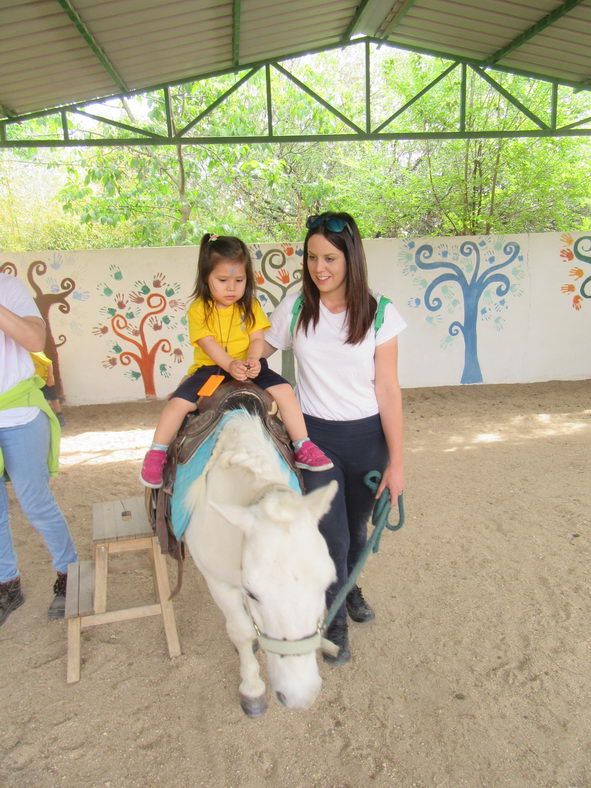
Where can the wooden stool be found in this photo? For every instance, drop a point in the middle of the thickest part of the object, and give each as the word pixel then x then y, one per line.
pixel 118 526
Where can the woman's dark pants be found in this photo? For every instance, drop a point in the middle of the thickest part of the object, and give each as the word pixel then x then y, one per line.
pixel 355 447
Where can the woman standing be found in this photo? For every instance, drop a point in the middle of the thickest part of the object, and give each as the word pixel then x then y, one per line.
pixel 344 339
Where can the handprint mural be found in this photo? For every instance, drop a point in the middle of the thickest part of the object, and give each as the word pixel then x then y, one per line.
pixel 141 321
pixel 575 253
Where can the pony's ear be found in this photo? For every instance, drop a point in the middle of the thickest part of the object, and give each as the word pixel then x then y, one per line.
pixel 318 502
pixel 239 516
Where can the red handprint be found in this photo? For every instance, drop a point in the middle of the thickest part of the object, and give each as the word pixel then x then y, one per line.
pixel 120 301
pixel 155 323
pixel 567 289
pixel 158 280
pixel 577 302
pixel 100 331
pixel 136 298
pixel 176 304
pixel 177 355
pixel 567 254
pixel 283 276
pixel 259 277
pixel 110 362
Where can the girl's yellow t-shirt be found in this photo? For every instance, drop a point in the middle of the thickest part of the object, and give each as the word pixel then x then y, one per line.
pixel 226 326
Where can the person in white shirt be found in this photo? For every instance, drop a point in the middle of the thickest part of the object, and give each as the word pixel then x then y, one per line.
pixel 344 338
pixel 29 446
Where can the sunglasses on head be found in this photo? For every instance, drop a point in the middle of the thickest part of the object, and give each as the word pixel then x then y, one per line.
pixel 330 221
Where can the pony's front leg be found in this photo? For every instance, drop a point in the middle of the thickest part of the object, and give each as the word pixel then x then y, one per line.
pixel 241 633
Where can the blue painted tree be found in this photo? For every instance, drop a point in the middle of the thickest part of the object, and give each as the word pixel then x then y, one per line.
pixel 472 279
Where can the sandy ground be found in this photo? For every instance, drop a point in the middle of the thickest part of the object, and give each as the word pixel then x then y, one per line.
pixel 474 673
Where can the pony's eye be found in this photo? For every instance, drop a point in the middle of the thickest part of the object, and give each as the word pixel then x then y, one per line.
pixel 250 595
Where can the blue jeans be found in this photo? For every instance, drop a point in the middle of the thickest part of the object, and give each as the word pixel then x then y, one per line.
pixel 25 451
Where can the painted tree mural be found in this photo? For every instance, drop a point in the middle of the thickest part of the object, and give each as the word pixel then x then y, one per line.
pixel 471 280
pixel 139 324
pixel 575 253
pixel 57 295
pixel 279 272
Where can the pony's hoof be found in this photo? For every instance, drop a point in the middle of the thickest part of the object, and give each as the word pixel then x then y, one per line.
pixel 253 707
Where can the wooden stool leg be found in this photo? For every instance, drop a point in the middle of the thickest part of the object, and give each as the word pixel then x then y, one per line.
pixel 73 669
pixel 101 559
pixel 161 573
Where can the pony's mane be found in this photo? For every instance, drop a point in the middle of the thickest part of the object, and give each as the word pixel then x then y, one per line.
pixel 243 443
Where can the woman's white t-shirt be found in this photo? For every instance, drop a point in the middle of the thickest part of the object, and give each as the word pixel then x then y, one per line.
pixel 15 361
pixel 335 381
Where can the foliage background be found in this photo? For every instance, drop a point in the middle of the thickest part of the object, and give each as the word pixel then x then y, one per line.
pixel 159 196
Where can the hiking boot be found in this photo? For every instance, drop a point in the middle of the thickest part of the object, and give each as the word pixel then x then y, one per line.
pixel 57 608
pixel 338 634
pixel 11 597
pixel 311 458
pixel 357 607
pixel 151 472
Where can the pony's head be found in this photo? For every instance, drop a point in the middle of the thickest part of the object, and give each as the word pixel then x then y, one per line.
pixel 286 570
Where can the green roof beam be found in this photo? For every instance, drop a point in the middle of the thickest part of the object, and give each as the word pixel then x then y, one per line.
pixel 392 22
pixel 90 40
pixel 115 123
pixel 510 97
pixel 353 23
pixel 317 98
pixel 347 137
pixel 8 112
pixel 533 31
pixel 416 97
pixel 217 102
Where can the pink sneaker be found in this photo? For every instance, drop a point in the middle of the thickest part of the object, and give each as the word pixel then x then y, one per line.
pixel 310 457
pixel 151 472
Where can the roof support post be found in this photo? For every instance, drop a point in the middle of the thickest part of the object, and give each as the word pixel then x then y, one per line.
pixel 168 112
pixel 463 98
pixel 269 100
pixel 554 106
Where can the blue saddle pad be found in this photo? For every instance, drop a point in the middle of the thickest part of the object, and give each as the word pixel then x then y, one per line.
pixel 186 474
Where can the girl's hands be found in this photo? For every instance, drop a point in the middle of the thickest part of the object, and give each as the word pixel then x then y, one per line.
pixel 254 367
pixel 238 369
pixel 393 479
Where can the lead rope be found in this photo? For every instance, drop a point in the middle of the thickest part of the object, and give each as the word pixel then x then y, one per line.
pixel 379 519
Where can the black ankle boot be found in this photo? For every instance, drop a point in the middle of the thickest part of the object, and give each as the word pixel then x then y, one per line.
pixel 57 607
pixel 357 607
pixel 11 597
pixel 338 634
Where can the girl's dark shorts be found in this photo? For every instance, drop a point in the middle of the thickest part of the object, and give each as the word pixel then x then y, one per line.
pixel 189 387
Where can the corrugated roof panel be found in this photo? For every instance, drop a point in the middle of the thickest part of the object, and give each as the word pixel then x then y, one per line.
pixel 45 60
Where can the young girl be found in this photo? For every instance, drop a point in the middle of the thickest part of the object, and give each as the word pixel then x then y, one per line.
pixel 344 338
pixel 226 328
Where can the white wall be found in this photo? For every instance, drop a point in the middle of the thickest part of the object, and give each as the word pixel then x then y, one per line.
pixel 531 332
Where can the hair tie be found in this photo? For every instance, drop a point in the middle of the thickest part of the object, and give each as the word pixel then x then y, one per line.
pixel 212 237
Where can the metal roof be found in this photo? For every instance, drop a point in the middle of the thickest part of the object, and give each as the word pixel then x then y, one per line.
pixel 57 53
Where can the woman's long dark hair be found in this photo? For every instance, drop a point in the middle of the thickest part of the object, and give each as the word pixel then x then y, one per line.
pixel 361 305
pixel 216 249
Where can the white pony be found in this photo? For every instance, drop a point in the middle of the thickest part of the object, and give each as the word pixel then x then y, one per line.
pixel 257 543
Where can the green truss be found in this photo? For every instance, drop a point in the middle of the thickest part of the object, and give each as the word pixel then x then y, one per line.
pixel 189 134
